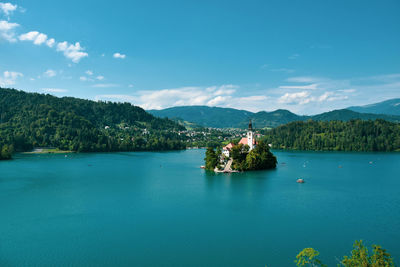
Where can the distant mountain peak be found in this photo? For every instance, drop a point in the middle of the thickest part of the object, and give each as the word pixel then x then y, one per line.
pixel 219 117
pixel 388 107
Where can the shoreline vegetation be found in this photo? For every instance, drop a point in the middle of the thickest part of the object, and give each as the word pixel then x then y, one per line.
pixel 29 120
pixel 355 135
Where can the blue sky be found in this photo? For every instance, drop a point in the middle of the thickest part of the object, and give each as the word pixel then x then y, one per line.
pixel 305 56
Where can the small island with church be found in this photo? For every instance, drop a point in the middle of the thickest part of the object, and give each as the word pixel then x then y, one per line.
pixel 248 154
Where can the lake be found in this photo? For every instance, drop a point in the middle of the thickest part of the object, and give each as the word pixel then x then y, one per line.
pixel 161 209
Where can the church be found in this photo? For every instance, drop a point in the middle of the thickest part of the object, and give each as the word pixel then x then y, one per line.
pixel 248 140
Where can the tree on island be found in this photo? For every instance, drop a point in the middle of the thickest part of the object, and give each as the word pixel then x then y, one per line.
pixel 259 158
pixel 239 154
pixel 211 159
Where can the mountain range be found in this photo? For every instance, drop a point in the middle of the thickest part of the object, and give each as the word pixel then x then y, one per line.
pixel 235 118
pixel 389 107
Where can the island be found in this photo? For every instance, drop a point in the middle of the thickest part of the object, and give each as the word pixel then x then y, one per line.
pixel 248 154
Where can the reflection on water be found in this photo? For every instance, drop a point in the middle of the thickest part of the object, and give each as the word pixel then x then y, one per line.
pixel 248 186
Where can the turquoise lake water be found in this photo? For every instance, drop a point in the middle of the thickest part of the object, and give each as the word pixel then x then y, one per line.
pixel 161 209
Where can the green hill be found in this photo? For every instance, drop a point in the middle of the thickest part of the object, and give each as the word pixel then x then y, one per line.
pixel 346 115
pixel 206 116
pixel 233 118
pixel 29 120
pixel 388 107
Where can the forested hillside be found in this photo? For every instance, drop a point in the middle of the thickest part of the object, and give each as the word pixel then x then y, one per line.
pixel 234 118
pixel 205 116
pixel 354 135
pixel 29 120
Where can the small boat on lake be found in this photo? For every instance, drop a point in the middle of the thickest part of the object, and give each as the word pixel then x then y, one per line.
pixel 300 180
pixel 202 167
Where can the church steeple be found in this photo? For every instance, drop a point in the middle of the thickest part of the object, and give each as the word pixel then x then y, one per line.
pixel 250 136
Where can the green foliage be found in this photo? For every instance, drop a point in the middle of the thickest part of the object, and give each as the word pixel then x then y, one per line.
pixel 354 135
pixel 211 159
pixel 239 153
pixel 308 257
pixel 30 120
pixel 360 257
pixel 6 151
pixel 260 158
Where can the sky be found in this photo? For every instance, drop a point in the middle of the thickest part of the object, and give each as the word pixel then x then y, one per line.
pixel 307 56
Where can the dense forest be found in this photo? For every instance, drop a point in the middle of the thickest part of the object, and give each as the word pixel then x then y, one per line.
pixel 30 120
pixel 354 135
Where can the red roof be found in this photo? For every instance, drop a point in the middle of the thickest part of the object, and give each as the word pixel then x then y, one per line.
pixel 244 141
pixel 228 146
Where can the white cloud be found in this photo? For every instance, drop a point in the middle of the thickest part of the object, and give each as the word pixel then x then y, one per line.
pixel 50 42
pixel 105 85
pixel 100 77
pixel 227 89
pixel 54 90
pixel 178 97
pixel 7 31
pixel 223 96
pixel 71 51
pixel 130 86
pixel 218 100
pixel 49 73
pixel 118 55
pixel 83 78
pixel 347 90
pixel 117 97
pixel 9 78
pixel 7 8
pixel 313 86
pixel 6 26
pixel 36 37
pixel 89 72
pixel 324 96
pixel 40 39
pixel 253 98
pixel 305 97
pixel 303 79
pixel 295 98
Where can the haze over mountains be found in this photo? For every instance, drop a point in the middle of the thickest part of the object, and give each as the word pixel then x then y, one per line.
pixel 234 118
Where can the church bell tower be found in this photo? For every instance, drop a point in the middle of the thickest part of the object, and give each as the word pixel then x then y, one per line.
pixel 250 136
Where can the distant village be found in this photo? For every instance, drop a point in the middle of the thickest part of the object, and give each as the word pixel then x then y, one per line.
pixel 200 137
